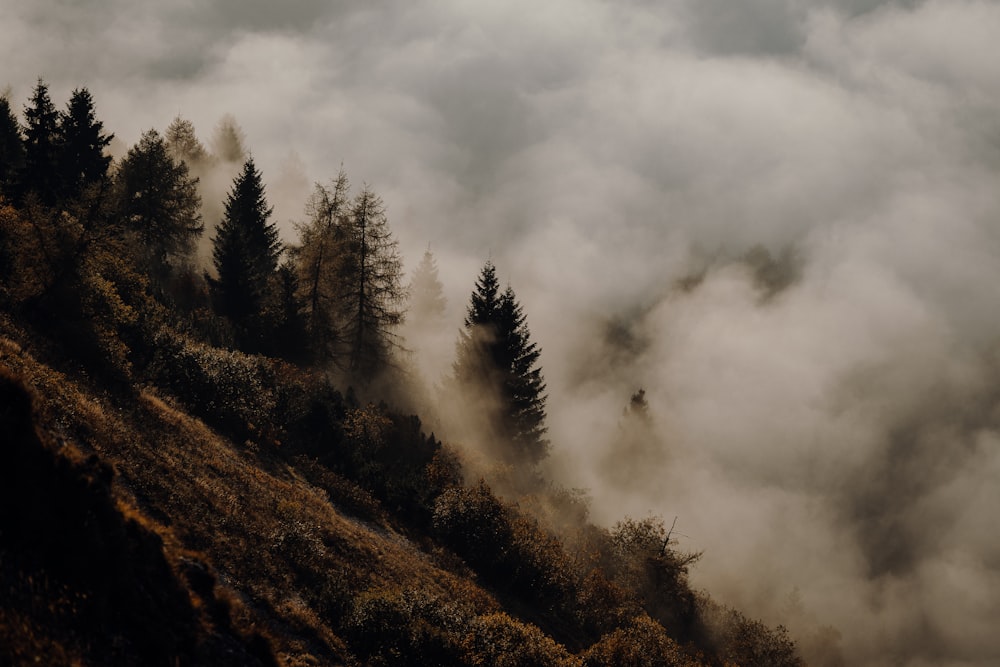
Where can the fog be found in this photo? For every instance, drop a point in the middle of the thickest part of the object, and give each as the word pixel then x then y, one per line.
pixel 778 218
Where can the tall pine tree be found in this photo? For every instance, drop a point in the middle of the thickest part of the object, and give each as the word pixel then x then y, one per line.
pixel 81 157
pixel 496 370
pixel 427 302
pixel 245 255
pixel 41 146
pixel 160 204
pixel 11 152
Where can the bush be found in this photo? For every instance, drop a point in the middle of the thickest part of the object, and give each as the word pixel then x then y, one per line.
pixel 406 627
pixel 497 640
pixel 507 549
pixel 743 641
pixel 229 390
pixel 642 643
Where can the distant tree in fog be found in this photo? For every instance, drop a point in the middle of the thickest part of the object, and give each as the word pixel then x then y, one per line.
pixel 427 302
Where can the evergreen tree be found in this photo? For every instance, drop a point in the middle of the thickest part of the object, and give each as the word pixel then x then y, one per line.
pixel 372 295
pixel 160 204
pixel 288 339
pixel 183 144
pixel 245 255
pixel 81 157
pixel 496 369
pixel 41 146
pixel 11 152
pixel 427 302
pixel 319 260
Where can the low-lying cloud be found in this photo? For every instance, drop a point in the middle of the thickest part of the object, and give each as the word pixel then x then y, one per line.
pixel 830 439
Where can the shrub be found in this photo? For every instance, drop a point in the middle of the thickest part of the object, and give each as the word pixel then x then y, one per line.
pixel 498 640
pixel 406 627
pixel 228 389
pixel 641 643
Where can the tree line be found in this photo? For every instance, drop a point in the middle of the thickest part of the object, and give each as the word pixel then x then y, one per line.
pixel 106 251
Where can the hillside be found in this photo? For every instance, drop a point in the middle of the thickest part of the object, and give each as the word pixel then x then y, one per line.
pixel 210 465
pixel 139 534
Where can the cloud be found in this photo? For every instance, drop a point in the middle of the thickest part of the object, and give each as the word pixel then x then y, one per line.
pixel 627 166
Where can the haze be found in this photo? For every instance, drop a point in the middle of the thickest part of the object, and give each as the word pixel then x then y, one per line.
pixel 778 217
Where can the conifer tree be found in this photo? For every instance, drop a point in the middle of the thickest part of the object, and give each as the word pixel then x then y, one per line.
pixel 41 146
pixel 319 261
pixel 160 204
pixel 183 144
pixel 427 302
pixel 81 157
pixel 372 296
pixel 496 369
pixel 245 254
pixel 11 152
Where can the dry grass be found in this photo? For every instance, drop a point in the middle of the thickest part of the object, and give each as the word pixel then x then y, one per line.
pixel 278 545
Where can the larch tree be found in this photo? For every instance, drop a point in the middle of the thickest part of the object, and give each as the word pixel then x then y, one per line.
pixel 41 146
pixel 82 141
pixel 320 264
pixel 372 297
pixel 183 144
pixel 496 370
pixel 160 204
pixel 245 254
pixel 11 152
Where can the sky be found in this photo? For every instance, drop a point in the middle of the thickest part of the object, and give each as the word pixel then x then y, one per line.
pixel 778 217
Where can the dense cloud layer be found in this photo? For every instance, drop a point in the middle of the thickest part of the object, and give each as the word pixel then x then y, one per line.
pixel 779 217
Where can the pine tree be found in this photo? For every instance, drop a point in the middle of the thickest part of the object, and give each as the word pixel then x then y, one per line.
pixel 496 370
pixel 160 204
pixel 41 146
pixel 245 255
pixel 427 302
pixel 11 152
pixel 372 295
pixel 319 260
pixel 81 157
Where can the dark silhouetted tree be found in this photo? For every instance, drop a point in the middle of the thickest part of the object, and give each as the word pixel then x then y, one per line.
pixel 497 368
pixel 288 338
pixel 160 205
pixel 41 146
pixel 81 157
pixel 371 301
pixel 11 152
pixel 319 261
pixel 245 254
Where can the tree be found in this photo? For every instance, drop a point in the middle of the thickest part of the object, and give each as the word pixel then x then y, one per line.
pixel 372 296
pixel 288 339
pixel 11 152
pixel 245 254
pixel 319 260
pixel 160 204
pixel 81 157
pixel 41 146
pixel 229 141
pixel 496 369
pixel 183 144
pixel 427 302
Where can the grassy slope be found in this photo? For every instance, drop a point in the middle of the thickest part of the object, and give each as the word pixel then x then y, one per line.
pixel 272 537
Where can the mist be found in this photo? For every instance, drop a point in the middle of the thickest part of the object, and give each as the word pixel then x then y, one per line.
pixel 778 219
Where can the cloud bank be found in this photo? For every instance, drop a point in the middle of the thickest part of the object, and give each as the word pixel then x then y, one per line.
pixel 779 217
